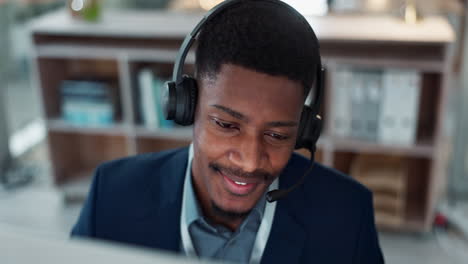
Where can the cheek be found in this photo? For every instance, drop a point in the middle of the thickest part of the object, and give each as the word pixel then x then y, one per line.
pixel 208 144
pixel 279 158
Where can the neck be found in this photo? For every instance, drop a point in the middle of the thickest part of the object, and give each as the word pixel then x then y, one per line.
pixel 215 218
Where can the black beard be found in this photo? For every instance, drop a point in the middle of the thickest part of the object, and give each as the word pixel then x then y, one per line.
pixel 228 215
pixel 260 175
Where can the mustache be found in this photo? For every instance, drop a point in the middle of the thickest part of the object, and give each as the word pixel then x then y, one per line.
pixel 256 174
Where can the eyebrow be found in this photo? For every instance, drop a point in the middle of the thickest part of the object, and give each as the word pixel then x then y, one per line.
pixel 282 124
pixel 241 116
pixel 231 112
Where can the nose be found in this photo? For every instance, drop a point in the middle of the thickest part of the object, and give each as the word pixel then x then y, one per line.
pixel 249 154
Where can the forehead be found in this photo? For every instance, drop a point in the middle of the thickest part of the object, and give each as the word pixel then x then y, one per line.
pixel 253 92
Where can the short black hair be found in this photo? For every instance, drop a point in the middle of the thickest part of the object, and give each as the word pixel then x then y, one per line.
pixel 261 36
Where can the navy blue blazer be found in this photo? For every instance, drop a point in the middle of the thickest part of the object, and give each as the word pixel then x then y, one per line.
pixel 329 219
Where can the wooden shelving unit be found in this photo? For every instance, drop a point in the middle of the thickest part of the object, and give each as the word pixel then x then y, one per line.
pixel 123 43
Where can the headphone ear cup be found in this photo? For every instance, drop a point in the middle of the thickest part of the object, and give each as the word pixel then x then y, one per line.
pixel 169 100
pixel 187 93
pixel 310 127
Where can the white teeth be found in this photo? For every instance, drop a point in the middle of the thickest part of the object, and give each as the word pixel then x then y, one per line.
pixel 240 183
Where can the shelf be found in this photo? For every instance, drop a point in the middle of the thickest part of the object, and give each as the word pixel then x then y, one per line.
pixel 119 24
pixel 155 144
pixel 123 43
pixel 358 146
pixel 427 65
pixel 143 24
pixel 184 133
pixel 417 175
pixel 74 153
pixel 77 51
pixel 58 125
pixel 372 28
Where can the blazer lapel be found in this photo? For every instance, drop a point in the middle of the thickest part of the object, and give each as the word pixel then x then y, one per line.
pixel 286 240
pixel 287 235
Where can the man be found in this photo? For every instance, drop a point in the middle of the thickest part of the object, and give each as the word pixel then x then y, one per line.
pixel 256 62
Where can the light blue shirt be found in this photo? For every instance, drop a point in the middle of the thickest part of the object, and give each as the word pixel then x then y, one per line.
pixel 205 240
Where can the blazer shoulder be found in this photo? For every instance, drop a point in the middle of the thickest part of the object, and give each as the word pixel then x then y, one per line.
pixel 331 204
pixel 127 191
pixel 143 159
pixel 139 169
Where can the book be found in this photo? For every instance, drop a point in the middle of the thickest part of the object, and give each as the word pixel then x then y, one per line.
pixel 158 86
pixel 151 88
pixel 147 100
pixel 87 103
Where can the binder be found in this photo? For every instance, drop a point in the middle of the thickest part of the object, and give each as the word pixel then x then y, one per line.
pixel 87 103
pixel 399 108
pixel 358 110
pixel 411 81
pixel 372 93
pixel 342 102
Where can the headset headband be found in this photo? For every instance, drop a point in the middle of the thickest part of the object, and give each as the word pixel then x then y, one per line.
pixel 190 38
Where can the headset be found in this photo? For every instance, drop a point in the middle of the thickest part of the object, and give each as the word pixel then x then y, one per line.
pixel 180 95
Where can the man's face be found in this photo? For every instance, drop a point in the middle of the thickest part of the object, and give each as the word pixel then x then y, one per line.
pixel 244 133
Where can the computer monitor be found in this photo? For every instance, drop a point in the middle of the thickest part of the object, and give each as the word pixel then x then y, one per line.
pixel 18 246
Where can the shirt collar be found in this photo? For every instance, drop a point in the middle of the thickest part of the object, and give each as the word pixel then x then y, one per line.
pixel 192 210
pixel 263 231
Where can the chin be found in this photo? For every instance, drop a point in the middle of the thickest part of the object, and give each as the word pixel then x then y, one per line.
pixel 229 213
pixel 239 204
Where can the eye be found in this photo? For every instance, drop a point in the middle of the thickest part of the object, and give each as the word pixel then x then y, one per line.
pixel 224 125
pixel 277 137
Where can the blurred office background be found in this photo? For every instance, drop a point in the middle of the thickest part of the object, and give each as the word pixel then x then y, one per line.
pixel 80 84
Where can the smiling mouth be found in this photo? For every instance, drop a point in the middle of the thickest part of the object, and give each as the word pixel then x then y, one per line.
pixel 238 188
pixel 238 182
